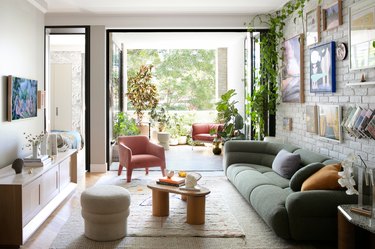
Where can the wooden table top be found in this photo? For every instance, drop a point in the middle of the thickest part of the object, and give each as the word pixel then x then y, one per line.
pixel 171 189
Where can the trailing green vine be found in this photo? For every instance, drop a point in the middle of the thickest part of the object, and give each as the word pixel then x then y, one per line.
pixel 264 98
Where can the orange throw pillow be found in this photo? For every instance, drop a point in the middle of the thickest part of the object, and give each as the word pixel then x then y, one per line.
pixel 324 179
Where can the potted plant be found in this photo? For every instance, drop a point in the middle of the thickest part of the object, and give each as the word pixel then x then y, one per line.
pixel 162 118
pixel 141 92
pixel 122 126
pixel 228 114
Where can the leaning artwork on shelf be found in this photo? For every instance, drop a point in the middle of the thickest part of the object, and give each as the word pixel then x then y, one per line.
pixel 330 122
pixel 311 119
pixel 323 68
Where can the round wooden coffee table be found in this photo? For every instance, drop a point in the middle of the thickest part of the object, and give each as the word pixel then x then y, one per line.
pixel 196 202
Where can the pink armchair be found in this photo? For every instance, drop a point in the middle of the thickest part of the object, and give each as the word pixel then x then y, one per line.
pixel 201 131
pixel 139 152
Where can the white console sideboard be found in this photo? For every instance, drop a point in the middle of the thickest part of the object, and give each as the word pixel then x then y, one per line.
pixel 27 199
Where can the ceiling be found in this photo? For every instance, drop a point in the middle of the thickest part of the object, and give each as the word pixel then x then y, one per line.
pixel 139 7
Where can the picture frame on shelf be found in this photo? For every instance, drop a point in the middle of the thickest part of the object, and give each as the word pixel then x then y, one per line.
pixel 292 74
pixel 329 120
pixel 362 35
pixel 311 119
pixel 22 98
pixel 313 26
pixel 323 68
pixel 332 15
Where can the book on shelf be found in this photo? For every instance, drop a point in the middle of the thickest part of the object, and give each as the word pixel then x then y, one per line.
pixel 28 163
pixel 173 179
pixel 195 188
pixel 371 127
pixel 40 158
pixel 171 184
pixel 369 114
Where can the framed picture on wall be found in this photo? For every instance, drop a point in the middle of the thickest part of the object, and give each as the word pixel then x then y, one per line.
pixel 362 35
pixel 329 120
pixel 313 26
pixel 323 68
pixel 311 119
pixel 332 15
pixel 22 98
pixel 292 76
pixel 287 124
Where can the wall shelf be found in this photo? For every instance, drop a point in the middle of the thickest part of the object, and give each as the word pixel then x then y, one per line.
pixel 360 83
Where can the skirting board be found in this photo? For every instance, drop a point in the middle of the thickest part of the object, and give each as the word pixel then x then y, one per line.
pixel 98 168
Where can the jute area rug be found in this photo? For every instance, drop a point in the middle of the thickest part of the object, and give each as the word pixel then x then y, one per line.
pixel 222 229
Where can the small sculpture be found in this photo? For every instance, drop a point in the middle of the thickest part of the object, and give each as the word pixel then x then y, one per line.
pixel 17 165
pixel 190 181
pixel 169 173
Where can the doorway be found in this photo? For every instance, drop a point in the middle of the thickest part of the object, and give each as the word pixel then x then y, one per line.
pixel 66 84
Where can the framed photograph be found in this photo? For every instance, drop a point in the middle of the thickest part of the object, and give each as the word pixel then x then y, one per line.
pixel 22 98
pixel 311 119
pixel 362 35
pixel 313 26
pixel 332 15
pixel 287 124
pixel 292 76
pixel 323 68
pixel 329 122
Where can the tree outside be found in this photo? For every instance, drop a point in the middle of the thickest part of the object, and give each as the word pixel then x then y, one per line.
pixel 185 78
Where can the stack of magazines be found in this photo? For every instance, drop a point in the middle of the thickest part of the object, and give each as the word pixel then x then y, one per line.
pixel 173 181
pixel 41 161
pixel 359 122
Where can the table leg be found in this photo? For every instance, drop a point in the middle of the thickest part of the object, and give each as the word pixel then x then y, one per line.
pixel 196 208
pixel 160 203
pixel 346 233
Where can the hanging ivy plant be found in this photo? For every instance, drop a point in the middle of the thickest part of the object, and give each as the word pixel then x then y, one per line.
pixel 264 98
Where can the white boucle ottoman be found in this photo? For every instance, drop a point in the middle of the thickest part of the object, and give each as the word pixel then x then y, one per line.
pixel 105 209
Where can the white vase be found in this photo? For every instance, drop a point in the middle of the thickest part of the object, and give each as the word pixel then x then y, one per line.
pixel 35 150
pixel 163 138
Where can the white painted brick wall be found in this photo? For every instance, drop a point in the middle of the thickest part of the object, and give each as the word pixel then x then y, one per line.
pixel 363 96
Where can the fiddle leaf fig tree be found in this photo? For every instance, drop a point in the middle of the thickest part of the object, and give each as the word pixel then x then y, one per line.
pixel 142 93
pixel 228 113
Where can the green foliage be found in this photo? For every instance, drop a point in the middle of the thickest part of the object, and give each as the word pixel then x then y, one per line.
pixel 124 125
pixel 141 92
pixel 185 78
pixel 161 117
pixel 265 93
pixel 228 113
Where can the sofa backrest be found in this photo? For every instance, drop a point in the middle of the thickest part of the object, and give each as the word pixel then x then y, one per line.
pixel 263 153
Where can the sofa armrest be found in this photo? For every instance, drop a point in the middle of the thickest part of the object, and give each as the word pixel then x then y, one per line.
pixel 317 203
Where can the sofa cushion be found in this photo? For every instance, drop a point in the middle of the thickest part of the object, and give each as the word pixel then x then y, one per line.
pixel 302 174
pixel 286 163
pixel 324 179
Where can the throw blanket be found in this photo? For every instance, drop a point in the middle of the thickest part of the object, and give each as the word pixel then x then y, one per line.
pixel 68 140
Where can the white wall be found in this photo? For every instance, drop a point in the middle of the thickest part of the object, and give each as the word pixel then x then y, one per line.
pixel 236 72
pixel 21 54
pixel 98 99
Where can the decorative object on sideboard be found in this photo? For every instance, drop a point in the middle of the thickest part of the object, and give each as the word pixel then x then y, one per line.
pixel 22 98
pixel 332 15
pixel 313 26
pixel 323 68
pixel 33 142
pixel 365 206
pixel 17 165
pixel 341 51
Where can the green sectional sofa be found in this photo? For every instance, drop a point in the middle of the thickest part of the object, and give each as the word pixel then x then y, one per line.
pixel 291 214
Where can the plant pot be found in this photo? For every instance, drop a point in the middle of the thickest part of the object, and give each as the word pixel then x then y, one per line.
pixel 163 138
pixel 144 129
pixel 216 148
pixel 173 141
pixel 182 139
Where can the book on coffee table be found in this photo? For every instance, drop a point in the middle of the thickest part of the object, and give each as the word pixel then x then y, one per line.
pixel 170 184
pixel 173 180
